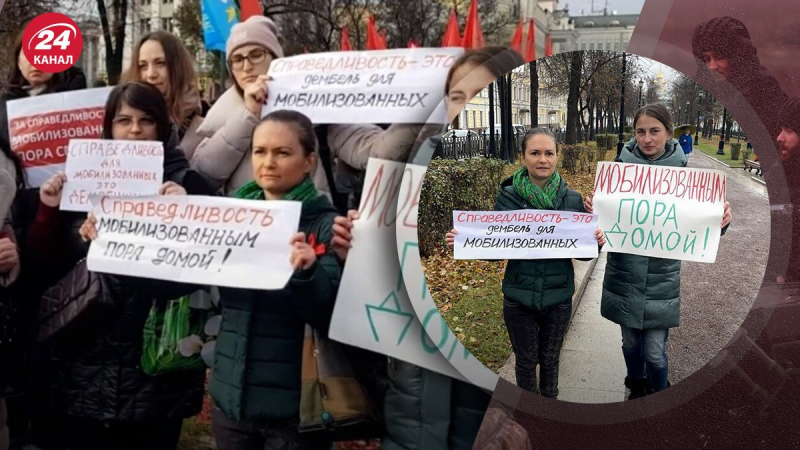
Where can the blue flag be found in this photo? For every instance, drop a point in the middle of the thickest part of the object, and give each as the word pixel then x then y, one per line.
pixel 219 16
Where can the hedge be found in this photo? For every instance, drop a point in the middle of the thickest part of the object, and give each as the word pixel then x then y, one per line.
pixel 736 148
pixel 468 185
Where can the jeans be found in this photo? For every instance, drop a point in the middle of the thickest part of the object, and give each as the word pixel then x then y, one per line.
pixel 260 434
pixel 645 355
pixel 536 337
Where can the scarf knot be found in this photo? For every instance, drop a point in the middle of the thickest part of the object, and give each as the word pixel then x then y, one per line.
pixel 539 198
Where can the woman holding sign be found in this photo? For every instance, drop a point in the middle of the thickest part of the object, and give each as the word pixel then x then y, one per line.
pixel 161 60
pixel 108 401
pixel 538 294
pixel 643 294
pixel 222 157
pixel 257 365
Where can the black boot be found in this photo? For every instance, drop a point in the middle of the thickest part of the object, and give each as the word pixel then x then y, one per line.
pixel 637 386
pixel 650 389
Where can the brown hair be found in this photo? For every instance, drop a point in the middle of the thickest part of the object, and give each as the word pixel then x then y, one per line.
pixel 496 59
pixel 144 97
pixel 656 111
pixel 180 70
pixel 299 122
pixel 539 131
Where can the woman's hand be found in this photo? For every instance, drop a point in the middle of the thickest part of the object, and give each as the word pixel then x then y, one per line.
pixel 588 205
pixel 451 237
pixel 600 236
pixel 171 188
pixel 726 215
pixel 50 192
pixel 89 228
pixel 342 237
pixel 255 95
pixel 9 255
pixel 303 255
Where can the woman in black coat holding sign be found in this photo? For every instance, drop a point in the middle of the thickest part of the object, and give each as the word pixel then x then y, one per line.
pixel 100 395
pixel 538 293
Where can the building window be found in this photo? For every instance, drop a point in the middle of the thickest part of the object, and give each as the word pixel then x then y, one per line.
pixel 146 2
pixel 144 25
pixel 616 46
pixel 583 45
pixel 168 2
pixel 591 46
pixel 474 122
pixel 480 114
pixel 166 25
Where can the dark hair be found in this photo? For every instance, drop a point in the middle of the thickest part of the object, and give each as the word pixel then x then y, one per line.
pixel 727 38
pixel 16 80
pixel 302 126
pixel 144 97
pixel 789 114
pixel 497 59
pixel 180 70
pixel 658 112
pixel 539 131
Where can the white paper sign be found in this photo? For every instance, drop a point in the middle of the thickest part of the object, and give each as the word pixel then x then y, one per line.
pixel 41 127
pixel 383 86
pixel 191 239
pixel 664 212
pixel 374 309
pixel 111 168
pixel 524 234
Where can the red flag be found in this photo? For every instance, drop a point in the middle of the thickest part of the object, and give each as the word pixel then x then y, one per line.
pixel 249 8
pixel 530 48
pixel 516 41
pixel 451 37
pixel 548 46
pixel 374 40
pixel 345 45
pixel 473 36
pixel 412 44
pixel 383 40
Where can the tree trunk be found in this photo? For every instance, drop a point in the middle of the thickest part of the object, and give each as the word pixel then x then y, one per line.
pixel 534 95
pixel 572 97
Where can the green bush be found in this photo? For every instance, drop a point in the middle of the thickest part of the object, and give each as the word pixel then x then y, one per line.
pixel 747 154
pixel 467 185
pixel 736 149
pixel 628 129
pixel 570 158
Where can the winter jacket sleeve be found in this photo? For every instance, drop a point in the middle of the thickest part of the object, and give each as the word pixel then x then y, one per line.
pixel 317 286
pixel 7 279
pixel 356 144
pixel 218 156
pixel 8 185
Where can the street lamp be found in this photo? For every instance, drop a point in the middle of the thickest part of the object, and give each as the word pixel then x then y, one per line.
pixel 641 84
pixel 688 106
pixel 699 106
pixel 620 144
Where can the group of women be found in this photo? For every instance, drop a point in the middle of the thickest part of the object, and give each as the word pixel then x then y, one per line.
pixel 88 390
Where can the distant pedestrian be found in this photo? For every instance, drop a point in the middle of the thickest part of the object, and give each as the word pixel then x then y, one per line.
pixel 686 142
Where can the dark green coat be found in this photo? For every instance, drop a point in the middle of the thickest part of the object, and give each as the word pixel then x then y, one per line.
pixel 258 354
pixel 538 283
pixel 425 410
pixel 639 291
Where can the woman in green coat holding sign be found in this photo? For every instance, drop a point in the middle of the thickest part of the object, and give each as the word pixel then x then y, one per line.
pixel 640 293
pixel 537 293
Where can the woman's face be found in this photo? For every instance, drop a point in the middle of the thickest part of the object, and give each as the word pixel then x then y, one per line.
pixel 32 75
pixel 133 125
pixel 651 135
pixel 469 79
pixel 248 62
pixel 716 64
pixel 279 162
pixel 541 157
pixel 153 65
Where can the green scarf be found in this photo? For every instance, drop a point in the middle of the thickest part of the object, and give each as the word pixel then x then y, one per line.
pixel 539 198
pixel 301 193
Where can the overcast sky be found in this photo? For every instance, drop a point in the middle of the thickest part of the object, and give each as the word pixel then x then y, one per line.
pixel 621 6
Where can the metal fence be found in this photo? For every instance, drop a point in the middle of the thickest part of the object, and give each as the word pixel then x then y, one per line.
pixel 479 145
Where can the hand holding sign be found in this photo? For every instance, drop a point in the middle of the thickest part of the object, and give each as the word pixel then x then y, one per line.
pixel 256 94
pixel 50 192
pixel 726 215
pixel 451 237
pixel 303 256
pixel 342 236
pixel 9 256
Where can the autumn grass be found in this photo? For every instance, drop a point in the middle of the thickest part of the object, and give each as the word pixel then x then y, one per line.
pixel 196 435
pixel 711 150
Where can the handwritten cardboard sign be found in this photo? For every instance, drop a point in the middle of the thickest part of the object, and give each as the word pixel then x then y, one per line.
pixel 192 239
pixel 41 127
pixel 385 86
pixel 524 234
pixel 375 308
pixel 111 168
pixel 664 212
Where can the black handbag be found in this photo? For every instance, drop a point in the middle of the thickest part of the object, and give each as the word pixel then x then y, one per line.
pixel 81 297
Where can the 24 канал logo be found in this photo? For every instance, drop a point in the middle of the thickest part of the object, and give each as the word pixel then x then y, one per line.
pixel 52 42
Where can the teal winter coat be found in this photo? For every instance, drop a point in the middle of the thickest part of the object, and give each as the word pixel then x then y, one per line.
pixel 538 283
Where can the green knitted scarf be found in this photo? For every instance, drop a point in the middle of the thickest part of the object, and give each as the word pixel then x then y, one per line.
pixel 302 192
pixel 539 198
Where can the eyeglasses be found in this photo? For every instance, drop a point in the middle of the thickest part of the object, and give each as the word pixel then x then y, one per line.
pixel 256 56
pixel 127 122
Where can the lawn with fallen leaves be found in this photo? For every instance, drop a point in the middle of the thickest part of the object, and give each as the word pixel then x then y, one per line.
pixel 469 295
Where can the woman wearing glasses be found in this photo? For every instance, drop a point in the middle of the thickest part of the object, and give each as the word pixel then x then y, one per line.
pixel 100 397
pixel 223 155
